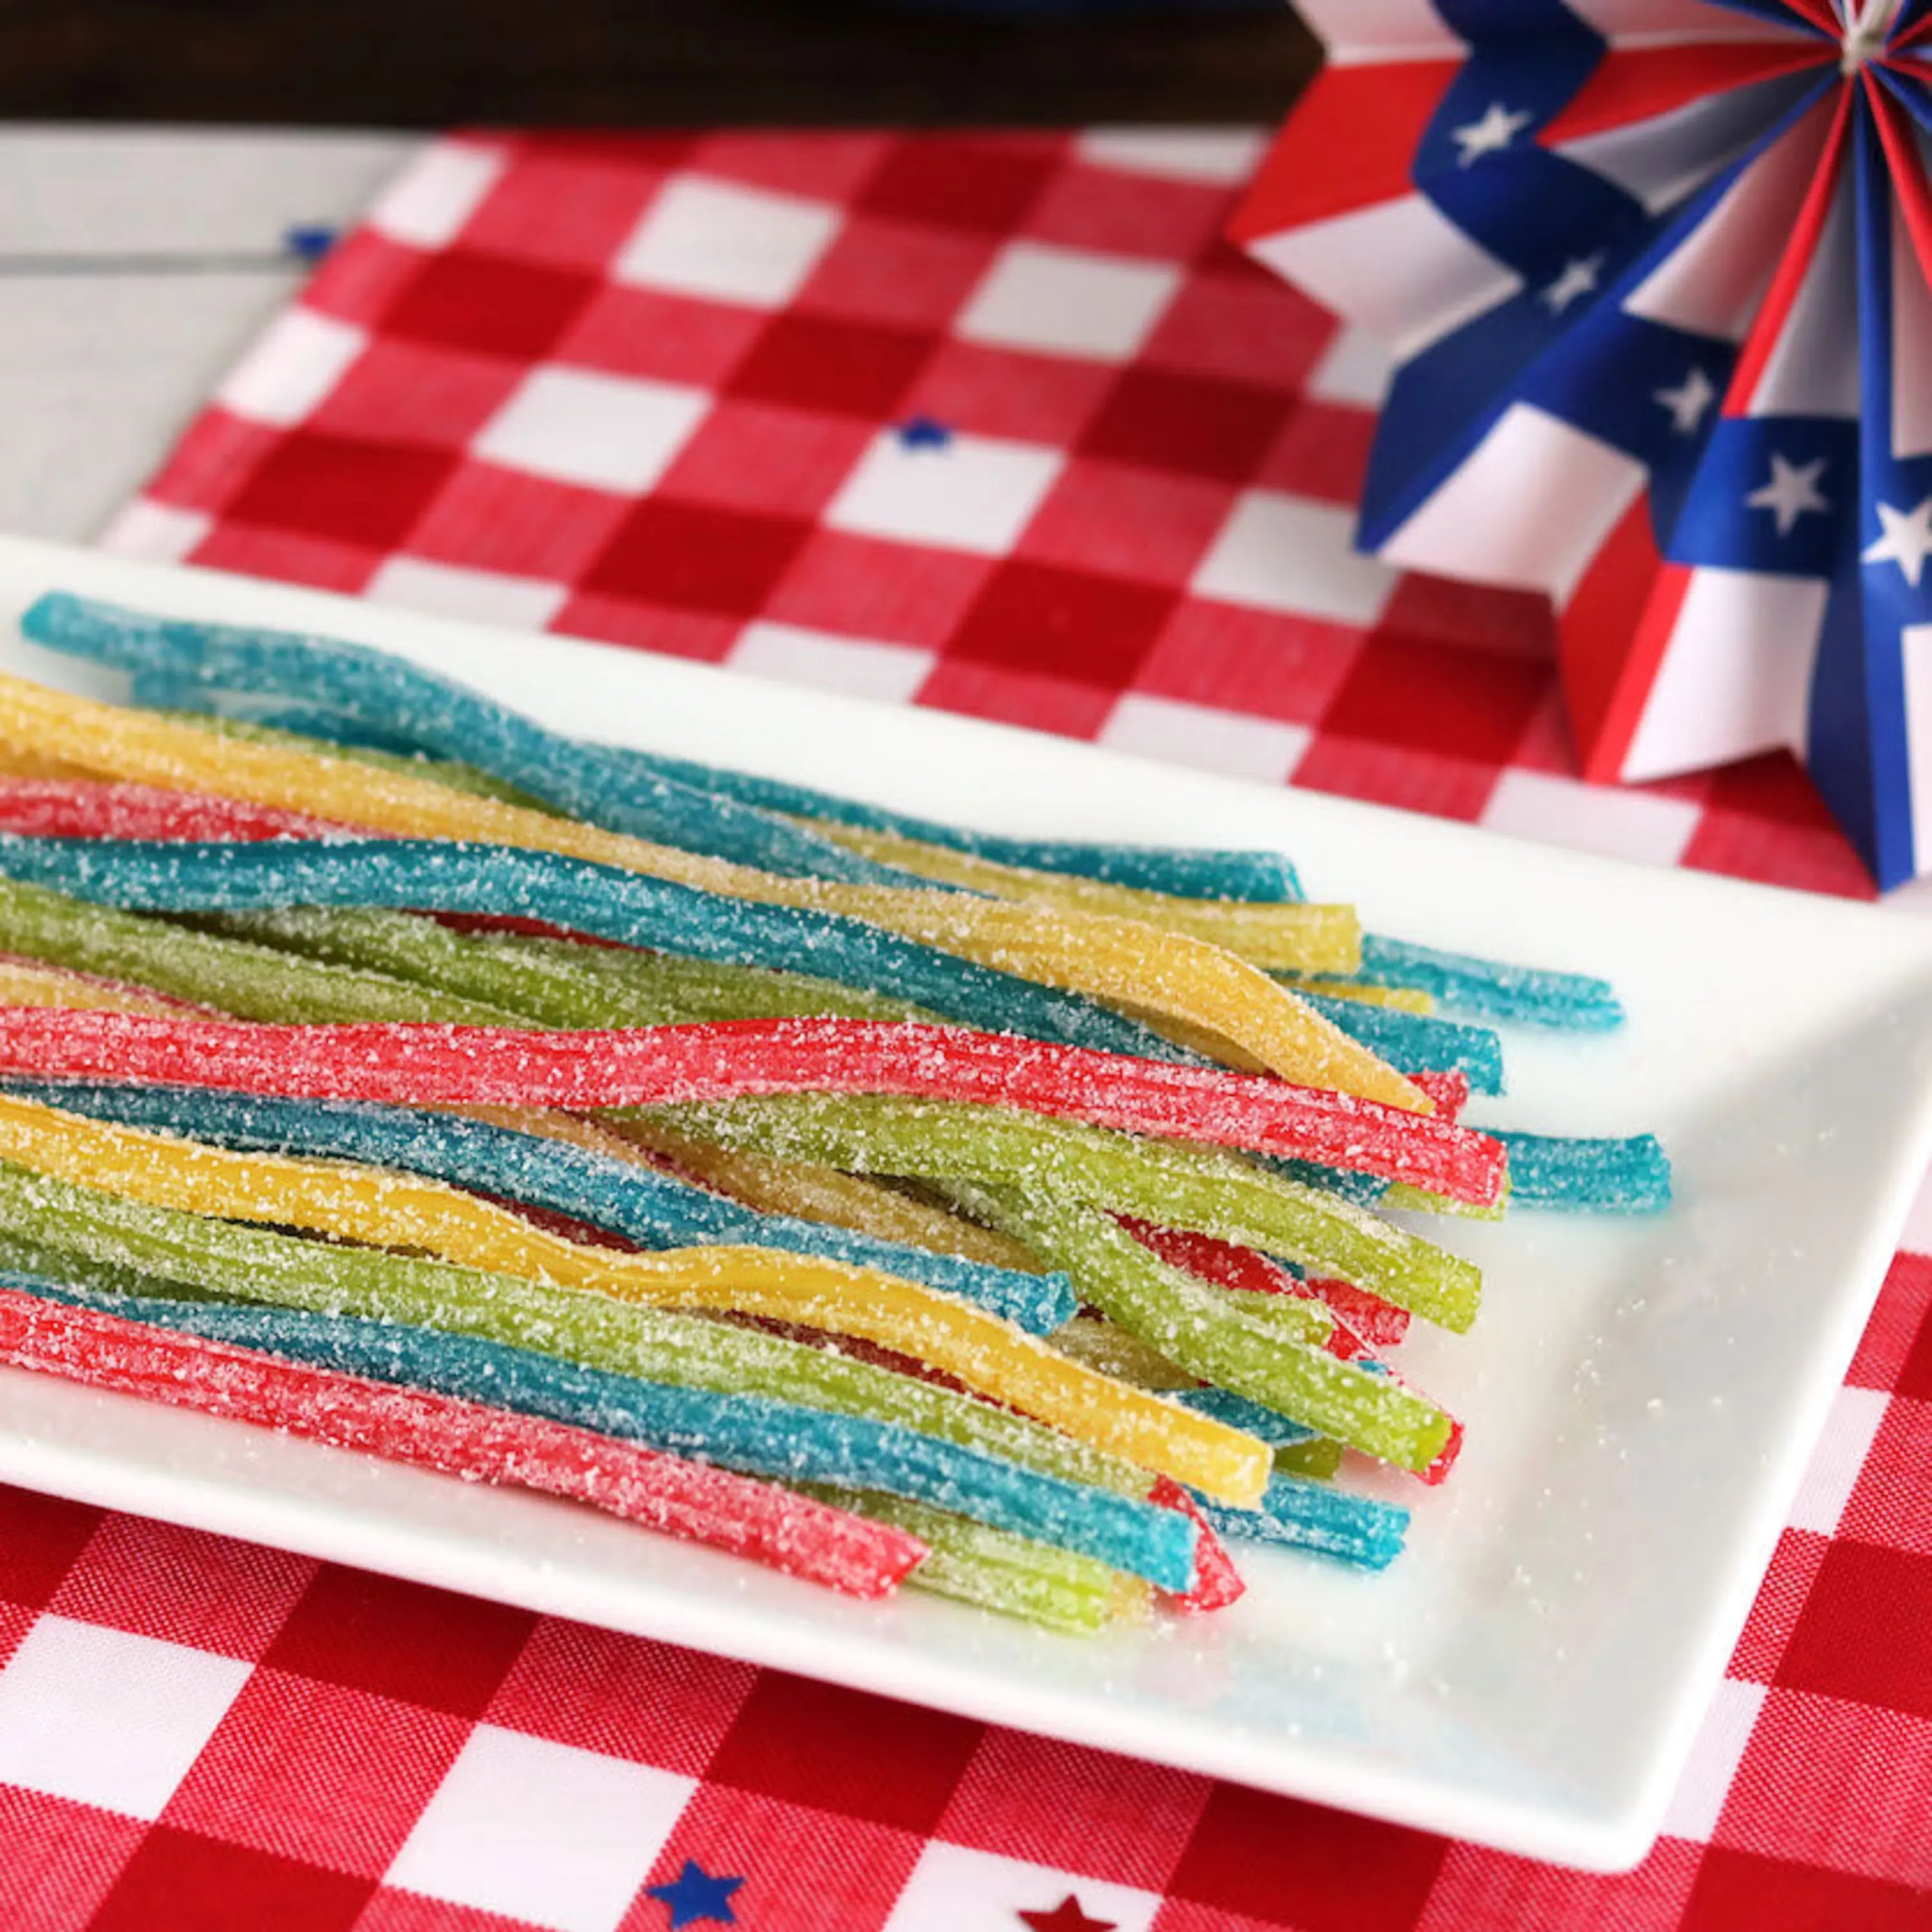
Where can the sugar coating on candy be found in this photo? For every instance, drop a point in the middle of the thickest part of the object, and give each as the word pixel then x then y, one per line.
pixel 402 1211
pixel 1239 1411
pixel 668 1493
pixel 658 1066
pixel 91 808
pixel 993 1571
pixel 811 1191
pixel 1259 877
pixel 1156 971
pixel 249 982
pixel 627 908
pixel 556 983
pixel 28 982
pixel 1279 933
pixel 1178 872
pixel 1207 1336
pixel 1298 1514
pixel 1217 1583
pixel 650 1208
pixel 1628 1176
pixel 439 715
pixel 1492 988
pixel 752 1435
pixel 1163 1182
pixel 1417 1042
pixel 252 1264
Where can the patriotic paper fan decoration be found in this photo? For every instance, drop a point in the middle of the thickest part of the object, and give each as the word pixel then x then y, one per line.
pixel 1654 275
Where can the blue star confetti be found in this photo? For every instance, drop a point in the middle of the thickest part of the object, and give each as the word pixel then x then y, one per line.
pixel 696 1894
pixel 923 433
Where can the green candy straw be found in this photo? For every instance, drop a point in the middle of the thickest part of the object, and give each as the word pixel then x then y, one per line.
pixel 995 1570
pixel 553 982
pixel 1138 1290
pixel 252 982
pixel 1177 1186
pixel 243 1264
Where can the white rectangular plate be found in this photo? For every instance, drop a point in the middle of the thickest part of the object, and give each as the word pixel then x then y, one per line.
pixel 1641 1395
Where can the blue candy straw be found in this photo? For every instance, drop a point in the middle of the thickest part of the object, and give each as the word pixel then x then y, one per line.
pixel 1238 1412
pixel 1417 1042
pixel 1493 989
pixel 755 1435
pixel 651 1209
pixel 182 666
pixel 430 875
pixel 450 720
pixel 1298 1514
pixel 1604 1177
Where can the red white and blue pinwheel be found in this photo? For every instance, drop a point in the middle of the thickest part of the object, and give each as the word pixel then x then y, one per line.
pixel 1656 276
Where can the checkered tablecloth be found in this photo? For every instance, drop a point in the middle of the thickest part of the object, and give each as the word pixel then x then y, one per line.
pixel 997 424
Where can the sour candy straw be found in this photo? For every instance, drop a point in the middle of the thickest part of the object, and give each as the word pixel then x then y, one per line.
pixel 1266 932
pixel 1173 1186
pixel 404 702
pixel 770 1440
pixel 1493 989
pixel 91 809
pixel 623 906
pixel 996 1571
pixel 1631 1176
pixel 27 982
pixel 1132 1287
pixel 1256 877
pixel 251 982
pixel 400 1211
pixel 583 1182
pixel 915 1437
pixel 1298 1514
pixel 808 1191
pixel 555 982
pixel 794 1534
pixel 1106 958
pixel 438 1066
pixel 1417 1043
pixel 440 715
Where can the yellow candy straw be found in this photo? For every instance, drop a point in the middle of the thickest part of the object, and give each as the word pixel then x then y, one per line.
pixel 372 1205
pixel 1289 937
pixel 1402 999
pixel 1104 957
pixel 782 1186
pixel 764 1181
pixel 24 985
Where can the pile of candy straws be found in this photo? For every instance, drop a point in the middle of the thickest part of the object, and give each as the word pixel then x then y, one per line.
pixel 885 1202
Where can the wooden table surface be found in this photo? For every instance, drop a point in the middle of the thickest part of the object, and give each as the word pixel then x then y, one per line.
pixel 430 63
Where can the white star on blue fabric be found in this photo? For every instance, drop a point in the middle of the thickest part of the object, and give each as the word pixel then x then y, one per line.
pixel 1792 490
pixel 1490 135
pixel 1688 401
pixel 1578 278
pixel 1907 541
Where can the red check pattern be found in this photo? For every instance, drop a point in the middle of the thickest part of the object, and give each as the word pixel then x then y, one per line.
pixel 997 424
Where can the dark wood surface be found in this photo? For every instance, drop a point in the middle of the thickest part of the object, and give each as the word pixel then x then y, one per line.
pixel 431 63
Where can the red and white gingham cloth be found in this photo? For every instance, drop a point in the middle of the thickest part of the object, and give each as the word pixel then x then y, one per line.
pixel 998 424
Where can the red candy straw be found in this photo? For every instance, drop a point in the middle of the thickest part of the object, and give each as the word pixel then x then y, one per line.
pixel 93 809
pixel 447 1066
pixel 1449 1091
pixel 1217 1583
pixel 792 1533
pixel 1369 1317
